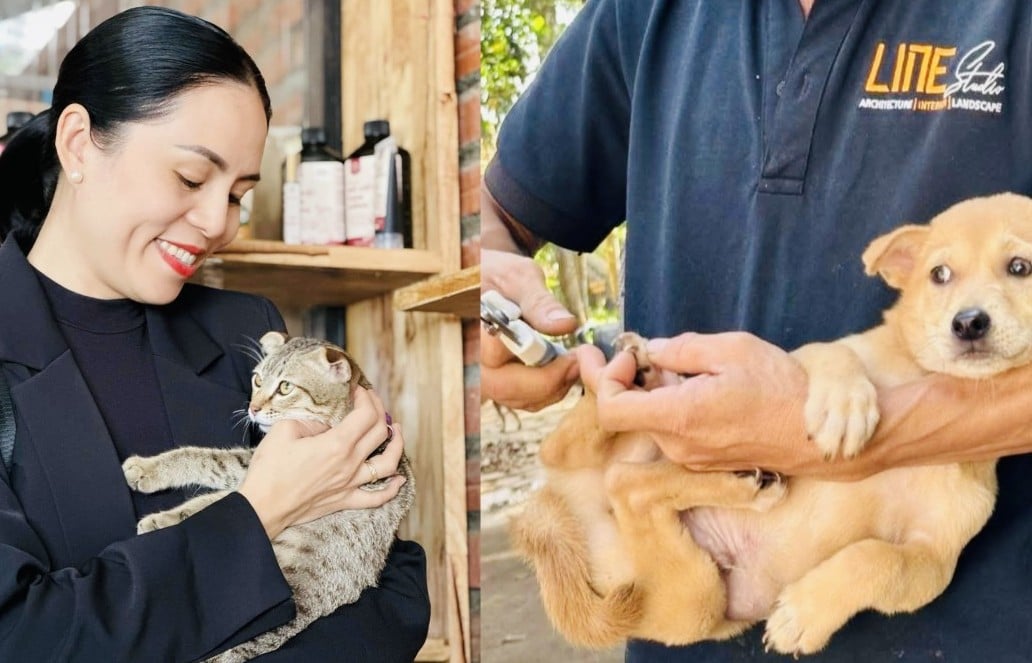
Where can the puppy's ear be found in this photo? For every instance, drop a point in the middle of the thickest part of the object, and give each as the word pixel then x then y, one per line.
pixel 894 255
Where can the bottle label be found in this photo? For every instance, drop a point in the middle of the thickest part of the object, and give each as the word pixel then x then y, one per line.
pixel 359 197
pixel 322 202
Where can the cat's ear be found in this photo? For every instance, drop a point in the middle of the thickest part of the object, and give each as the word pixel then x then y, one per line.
pixel 340 367
pixel 271 341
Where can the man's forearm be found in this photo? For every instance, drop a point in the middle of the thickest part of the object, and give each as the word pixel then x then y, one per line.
pixel 501 232
pixel 944 420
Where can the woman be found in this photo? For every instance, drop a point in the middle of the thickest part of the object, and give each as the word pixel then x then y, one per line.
pixel 111 200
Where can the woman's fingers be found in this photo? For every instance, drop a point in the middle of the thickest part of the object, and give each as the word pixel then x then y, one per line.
pixel 384 464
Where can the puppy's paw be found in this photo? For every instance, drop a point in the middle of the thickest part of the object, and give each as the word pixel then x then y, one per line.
pixel 841 413
pixel 141 474
pixel 799 623
pixel 769 488
pixel 646 376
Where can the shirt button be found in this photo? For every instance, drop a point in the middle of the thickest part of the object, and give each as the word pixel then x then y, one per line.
pixel 780 88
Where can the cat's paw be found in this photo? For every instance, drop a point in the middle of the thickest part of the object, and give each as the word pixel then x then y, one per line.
pixel 141 474
pixel 162 519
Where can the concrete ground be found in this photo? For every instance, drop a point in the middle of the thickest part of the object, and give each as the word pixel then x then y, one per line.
pixel 513 625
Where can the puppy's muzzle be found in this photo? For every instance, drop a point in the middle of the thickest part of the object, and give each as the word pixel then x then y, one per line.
pixel 971 324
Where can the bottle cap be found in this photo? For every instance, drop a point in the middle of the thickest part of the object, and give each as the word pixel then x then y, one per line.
pixel 376 129
pixel 313 136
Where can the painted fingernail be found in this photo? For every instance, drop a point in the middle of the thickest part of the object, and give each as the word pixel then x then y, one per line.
pixel 388 416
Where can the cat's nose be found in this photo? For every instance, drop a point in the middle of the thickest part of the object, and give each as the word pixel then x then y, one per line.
pixel 252 410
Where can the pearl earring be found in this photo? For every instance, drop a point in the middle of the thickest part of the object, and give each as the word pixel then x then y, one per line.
pixel 75 176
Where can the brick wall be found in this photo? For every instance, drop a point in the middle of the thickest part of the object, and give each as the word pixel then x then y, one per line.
pixel 467 73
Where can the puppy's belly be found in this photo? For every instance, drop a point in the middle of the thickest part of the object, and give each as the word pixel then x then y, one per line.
pixel 736 546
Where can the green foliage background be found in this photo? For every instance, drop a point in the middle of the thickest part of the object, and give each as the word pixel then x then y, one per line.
pixel 515 35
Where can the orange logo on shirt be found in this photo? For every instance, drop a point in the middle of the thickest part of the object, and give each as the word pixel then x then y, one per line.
pixel 932 77
pixel 917 68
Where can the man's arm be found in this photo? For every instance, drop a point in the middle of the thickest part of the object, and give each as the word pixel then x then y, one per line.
pixel 506 268
pixel 744 409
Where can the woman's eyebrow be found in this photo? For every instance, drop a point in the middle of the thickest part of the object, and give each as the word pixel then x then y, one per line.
pixel 213 157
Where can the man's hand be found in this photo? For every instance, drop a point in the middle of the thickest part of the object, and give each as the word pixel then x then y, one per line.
pixel 503 378
pixel 742 409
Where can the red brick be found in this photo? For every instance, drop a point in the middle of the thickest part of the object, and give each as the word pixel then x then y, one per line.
pixel 469 120
pixel 471 420
pixel 470 253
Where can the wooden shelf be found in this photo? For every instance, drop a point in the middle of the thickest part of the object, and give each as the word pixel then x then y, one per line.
pixel 458 293
pixel 304 276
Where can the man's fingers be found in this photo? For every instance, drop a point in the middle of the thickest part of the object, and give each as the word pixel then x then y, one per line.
pixel 692 353
pixel 521 280
pixel 543 312
pixel 530 388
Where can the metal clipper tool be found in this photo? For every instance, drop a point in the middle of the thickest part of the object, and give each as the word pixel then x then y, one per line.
pixel 502 318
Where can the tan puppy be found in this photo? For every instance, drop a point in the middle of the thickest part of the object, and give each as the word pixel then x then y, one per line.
pixel 626 544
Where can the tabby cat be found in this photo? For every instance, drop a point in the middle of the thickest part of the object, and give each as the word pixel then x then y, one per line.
pixel 326 562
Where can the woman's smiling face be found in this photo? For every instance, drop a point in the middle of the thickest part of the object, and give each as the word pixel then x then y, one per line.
pixel 153 205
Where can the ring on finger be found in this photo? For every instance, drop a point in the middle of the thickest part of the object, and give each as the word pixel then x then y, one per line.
pixel 390 433
pixel 375 476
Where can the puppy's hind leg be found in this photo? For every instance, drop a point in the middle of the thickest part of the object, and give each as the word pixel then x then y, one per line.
pixel 888 577
pixel 685 594
pixel 548 534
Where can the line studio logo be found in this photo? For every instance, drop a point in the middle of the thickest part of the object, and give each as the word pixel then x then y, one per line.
pixel 931 78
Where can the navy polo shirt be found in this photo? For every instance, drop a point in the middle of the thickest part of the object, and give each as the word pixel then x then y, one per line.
pixel 754 156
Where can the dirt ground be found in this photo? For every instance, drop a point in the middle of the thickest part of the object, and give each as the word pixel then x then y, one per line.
pixel 514 628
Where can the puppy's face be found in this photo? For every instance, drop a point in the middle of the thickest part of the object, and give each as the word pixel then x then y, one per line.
pixel 965 306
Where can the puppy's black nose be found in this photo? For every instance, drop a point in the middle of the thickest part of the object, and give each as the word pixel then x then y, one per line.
pixel 971 324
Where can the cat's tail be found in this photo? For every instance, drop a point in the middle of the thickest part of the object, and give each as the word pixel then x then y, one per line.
pixel 548 535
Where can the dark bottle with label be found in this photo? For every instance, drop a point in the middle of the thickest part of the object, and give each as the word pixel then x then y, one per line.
pixel 378 193
pixel 321 176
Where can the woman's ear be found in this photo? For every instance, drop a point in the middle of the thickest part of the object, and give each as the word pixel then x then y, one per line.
pixel 73 140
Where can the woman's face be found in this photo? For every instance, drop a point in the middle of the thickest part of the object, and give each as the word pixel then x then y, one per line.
pixel 153 206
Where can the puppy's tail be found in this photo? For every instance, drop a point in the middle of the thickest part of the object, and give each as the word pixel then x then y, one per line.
pixel 553 541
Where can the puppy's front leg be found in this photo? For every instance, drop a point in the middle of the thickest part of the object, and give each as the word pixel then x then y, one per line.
pixel 842 403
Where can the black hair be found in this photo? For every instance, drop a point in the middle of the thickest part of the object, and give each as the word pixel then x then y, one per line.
pixel 130 68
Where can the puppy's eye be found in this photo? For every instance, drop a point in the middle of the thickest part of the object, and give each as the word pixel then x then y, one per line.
pixel 256 380
pixel 1019 267
pixel 285 388
pixel 941 274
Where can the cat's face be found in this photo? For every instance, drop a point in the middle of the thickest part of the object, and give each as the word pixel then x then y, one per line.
pixel 302 378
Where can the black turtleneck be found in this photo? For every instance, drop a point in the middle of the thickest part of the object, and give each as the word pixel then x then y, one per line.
pixel 108 339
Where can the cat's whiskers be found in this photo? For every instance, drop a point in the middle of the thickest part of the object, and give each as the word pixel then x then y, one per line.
pixel 252 349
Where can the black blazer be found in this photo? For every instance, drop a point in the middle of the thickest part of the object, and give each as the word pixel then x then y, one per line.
pixel 77 584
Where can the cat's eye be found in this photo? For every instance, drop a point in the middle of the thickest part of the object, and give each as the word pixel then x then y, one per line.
pixel 285 388
pixel 256 380
pixel 1019 267
pixel 941 274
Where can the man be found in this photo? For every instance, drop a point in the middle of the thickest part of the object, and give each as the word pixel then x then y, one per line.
pixel 754 149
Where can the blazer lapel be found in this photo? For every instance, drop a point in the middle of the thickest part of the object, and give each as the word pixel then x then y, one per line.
pixel 199 408
pixel 66 471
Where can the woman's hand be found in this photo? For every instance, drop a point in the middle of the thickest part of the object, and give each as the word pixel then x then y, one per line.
pixel 503 378
pixel 299 473
pixel 742 409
